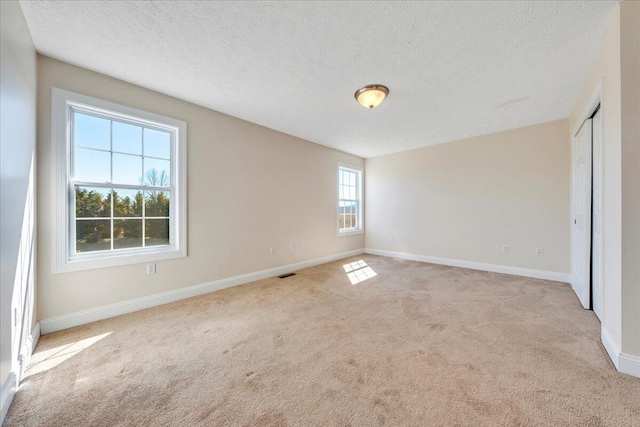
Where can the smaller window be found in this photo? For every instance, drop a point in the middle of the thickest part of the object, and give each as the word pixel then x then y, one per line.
pixel 349 200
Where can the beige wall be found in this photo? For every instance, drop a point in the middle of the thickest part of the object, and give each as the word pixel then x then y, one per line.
pixel 630 79
pixel 606 71
pixel 17 151
pixel 249 188
pixel 463 200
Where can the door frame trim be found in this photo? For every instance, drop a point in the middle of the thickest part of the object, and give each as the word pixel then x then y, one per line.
pixel 599 109
pixel 590 107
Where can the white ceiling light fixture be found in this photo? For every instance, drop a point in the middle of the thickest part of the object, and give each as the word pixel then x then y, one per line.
pixel 371 96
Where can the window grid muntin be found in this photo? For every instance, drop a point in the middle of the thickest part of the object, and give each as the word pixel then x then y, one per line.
pixel 75 242
pixel 121 152
pixel 91 218
pixel 112 116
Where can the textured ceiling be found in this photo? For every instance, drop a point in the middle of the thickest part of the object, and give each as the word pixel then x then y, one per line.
pixel 454 69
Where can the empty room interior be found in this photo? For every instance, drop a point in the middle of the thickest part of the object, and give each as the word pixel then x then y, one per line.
pixel 320 213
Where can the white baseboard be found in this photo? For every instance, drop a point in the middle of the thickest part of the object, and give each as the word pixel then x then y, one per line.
pixel 516 271
pixel 92 315
pixel 35 336
pixel 609 344
pixel 628 364
pixel 10 386
pixel 624 363
pixel 6 395
pixel 27 350
pixel 30 346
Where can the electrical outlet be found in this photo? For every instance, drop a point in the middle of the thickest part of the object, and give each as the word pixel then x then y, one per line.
pixel 151 269
pixel 539 252
pixel 292 247
pixel 272 250
pixel 505 249
pixel 393 239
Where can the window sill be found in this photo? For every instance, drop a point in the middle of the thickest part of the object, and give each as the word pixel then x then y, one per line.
pixel 349 233
pixel 116 260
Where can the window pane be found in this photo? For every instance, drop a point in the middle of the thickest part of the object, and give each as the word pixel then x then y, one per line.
pixel 354 219
pixel 93 202
pixel 91 132
pixel 341 221
pixel 156 232
pixel 156 172
pixel 127 138
pixel 127 169
pixel 127 233
pixel 92 165
pixel 93 235
pixel 352 179
pixel 157 143
pixel 127 202
pixel 346 216
pixel 156 203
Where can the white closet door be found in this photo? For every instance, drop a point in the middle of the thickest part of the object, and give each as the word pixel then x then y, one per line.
pixel 581 197
pixel 596 240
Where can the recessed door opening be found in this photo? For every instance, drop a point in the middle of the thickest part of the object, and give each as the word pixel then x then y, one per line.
pixel 586 240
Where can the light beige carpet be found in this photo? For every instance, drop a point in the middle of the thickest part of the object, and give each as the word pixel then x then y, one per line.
pixel 415 345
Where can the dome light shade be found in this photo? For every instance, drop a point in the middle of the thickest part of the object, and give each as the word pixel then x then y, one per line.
pixel 371 96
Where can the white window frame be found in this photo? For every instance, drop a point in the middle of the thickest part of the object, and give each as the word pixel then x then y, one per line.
pixel 63 213
pixel 360 200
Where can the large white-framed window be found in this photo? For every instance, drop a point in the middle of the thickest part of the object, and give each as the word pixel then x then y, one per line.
pixel 119 187
pixel 349 200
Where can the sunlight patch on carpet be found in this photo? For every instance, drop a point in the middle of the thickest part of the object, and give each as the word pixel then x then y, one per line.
pixel 48 359
pixel 358 271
